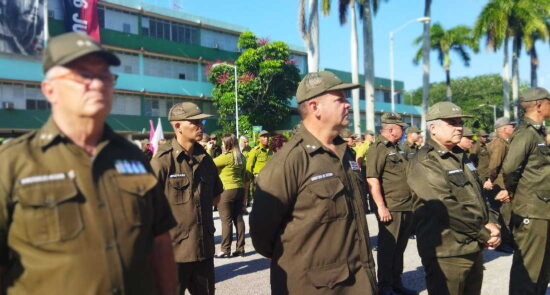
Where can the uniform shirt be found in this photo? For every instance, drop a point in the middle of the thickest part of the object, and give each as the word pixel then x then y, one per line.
pixel 308 217
pixel 526 171
pixel 480 158
pixel 257 158
pixel 190 184
pixel 410 149
pixel 498 148
pixel 231 174
pixel 387 163
pixel 245 151
pixel 449 210
pixel 73 224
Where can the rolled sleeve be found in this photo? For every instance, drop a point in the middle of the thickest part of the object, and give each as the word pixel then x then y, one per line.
pixel 375 162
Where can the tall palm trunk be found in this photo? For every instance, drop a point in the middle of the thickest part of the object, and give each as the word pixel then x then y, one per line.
pixel 515 74
pixel 426 65
pixel 355 70
pixel 368 53
pixel 310 32
pixel 534 66
pixel 447 67
pixel 506 80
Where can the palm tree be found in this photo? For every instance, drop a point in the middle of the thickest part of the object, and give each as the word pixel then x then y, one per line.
pixel 516 19
pixel 534 56
pixel 457 39
pixel 426 63
pixel 310 32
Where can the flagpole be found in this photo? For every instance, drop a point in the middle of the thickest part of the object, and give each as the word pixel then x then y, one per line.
pixel 46 23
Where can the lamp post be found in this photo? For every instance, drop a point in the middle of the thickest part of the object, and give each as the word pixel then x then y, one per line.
pixel 236 95
pixel 494 111
pixel 392 33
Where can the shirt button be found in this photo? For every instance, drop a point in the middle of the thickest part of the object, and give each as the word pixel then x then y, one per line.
pixel 100 204
pixel 109 246
pixel 116 291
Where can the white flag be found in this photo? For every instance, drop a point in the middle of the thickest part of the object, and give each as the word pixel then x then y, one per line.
pixel 157 136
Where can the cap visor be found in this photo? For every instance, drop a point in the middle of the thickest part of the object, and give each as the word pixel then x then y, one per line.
pixel 109 57
pixel 344 86
pixel 199 116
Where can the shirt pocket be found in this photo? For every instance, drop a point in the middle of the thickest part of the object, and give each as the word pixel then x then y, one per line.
pixel 51 211
pixel 459 185
pixel 179 192
pixel 133 189
pixel 329 199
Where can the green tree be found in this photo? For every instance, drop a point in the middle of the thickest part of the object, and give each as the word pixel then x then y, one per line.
pixel 267 79
pixel 457 39
pixel 469 93
pixel 534 59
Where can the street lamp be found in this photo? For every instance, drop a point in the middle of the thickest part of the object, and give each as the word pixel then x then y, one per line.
pixel 236 95
pixel 494 111
pixel 420 20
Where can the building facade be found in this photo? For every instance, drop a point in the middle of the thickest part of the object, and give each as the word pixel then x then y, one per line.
pixel 164 55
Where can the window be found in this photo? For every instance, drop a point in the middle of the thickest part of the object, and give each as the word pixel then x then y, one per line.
pixel 167 30
pixel 37 104
pixel 170 68
pixel 182 76
pixel 129 63
pixel 387 96
pixel 51 13
pixel 151 106
pixel 101 16
pixel 126 28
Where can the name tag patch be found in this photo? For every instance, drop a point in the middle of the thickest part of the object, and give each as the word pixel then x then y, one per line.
pixel 471 166
pixel 321 176
pixel 354 166
pixel 47 177
pixel 178 175
pixel 130 167
pixel 455 171
pixel 391 154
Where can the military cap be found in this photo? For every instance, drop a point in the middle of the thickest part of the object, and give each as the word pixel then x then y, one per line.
pixel 445 110
pixel 68 47
pixel 503 121
pixel 492 135
pixel 482 133
pixel 467 132
pixel 264 133
pixel 317 83
pixel 393 118
pixel 346 133
pixel 205 137
pixel 186 111
pixel 213 136
pixel 369 132
pixel 534 93
pixel 412 129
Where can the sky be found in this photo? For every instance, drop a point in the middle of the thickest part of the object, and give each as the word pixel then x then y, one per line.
pixel 278 19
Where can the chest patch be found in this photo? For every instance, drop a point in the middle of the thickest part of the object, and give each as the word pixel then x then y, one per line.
pixel 130 167
pixel 471 166
pixel 321 176
pixel 47 177
pixel 354 166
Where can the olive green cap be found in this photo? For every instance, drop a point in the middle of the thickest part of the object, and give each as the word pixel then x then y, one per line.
pixel 186 111
pixel 412 129
pixel 482 133
pixel 534 93
pixel 317 83
pixel 445 110
pixel 68 47
pixel 346 133
pixel 369 132
pixel 503 121
pixel 205 137
pixel 467 132
pixel 393 118
pixel 264 133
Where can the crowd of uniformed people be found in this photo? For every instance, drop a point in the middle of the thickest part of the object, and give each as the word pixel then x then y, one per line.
pixel 84 211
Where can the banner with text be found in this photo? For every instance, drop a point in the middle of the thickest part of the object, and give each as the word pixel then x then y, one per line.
pixel 81 17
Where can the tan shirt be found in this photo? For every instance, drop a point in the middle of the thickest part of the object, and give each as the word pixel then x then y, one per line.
pixel 70 223
pixel 308 217
pixel 387 163
pixel 498 148
pixel 190 184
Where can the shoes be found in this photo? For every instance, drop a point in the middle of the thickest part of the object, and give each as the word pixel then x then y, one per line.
pixel 238 253
pixel 401 290
pixel 222 255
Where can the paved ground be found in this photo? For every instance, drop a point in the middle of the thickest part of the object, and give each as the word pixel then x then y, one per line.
pixel 250 274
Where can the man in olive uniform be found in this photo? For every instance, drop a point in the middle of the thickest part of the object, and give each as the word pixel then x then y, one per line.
pixel 478 146
pixel 259 155
pixel 80 208
pixel 212 147
pixel 453 222
pixel 466 142
pixel 386 165
pixel 494 185
pixel 349 137
pixel 308 215
pixel 526 170
pixel 410 146
pixel 192 186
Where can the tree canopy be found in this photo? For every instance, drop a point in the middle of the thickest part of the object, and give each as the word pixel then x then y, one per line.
pixel 267 79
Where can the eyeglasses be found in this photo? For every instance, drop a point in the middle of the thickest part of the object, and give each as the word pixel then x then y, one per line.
pixel 87 78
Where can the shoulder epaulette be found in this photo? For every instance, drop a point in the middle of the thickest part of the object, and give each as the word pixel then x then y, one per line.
pixel 18 140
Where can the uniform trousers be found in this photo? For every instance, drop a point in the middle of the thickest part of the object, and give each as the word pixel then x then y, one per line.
pixel 393 237
pixel 197 277
pixel 231 213
pixel 457 275
pixel 530 271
